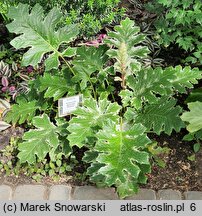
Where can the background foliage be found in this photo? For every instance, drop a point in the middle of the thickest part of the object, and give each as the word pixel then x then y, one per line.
pixel 91 15
pixel 179 22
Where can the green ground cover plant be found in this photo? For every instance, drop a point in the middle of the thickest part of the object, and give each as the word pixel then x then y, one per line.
pixel 124 100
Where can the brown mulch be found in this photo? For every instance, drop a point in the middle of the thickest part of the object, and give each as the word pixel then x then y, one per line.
pixel 179 173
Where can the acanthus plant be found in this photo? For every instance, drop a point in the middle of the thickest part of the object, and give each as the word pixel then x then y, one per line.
pixel 123 101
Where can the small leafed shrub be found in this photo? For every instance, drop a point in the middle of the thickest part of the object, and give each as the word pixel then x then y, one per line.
pixel 93 15
pixel 47 4
pixel 90 15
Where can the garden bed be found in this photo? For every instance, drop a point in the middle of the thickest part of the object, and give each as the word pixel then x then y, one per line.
pixel 113 102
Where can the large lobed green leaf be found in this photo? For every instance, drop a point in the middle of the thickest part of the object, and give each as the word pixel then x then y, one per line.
pixel 55 85
pixel 39 33
pixel 193 117
pixel 185 77
pixel 162 82
pixel 22 111
pixel 91 115
pixel 150 82
pixel 161 116
pixel 122 160
pixel 40 141
pixel 87 61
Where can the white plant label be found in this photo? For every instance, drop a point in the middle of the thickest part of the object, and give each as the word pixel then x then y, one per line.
pixel 67 105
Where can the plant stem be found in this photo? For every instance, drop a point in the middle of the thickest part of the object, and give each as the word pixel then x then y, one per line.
pixel 123 84
pixel 111 94
pixel 121 124
pixel 94 93
pixel 68 65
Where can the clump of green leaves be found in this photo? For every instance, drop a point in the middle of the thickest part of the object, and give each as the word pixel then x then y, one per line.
pixel 41 35
pixel 122 100
pixel 179 22
pixel 55 169
pixel 47 5
pixel 194 123
pixel 192 119
pixel 93 15
pixel 8 156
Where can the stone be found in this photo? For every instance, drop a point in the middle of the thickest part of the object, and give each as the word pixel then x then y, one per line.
pixel 143 194
pixel 169 195
pixel 30 192
pixel 5 192
pixel 193 195
pixel 60 192
pixel 93 193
